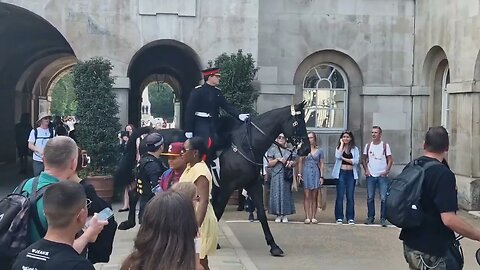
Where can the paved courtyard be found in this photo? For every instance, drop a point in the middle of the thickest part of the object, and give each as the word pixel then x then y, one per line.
pixel 322 246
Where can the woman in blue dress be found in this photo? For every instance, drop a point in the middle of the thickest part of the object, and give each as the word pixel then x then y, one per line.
pixel 281 200
pixel 311 174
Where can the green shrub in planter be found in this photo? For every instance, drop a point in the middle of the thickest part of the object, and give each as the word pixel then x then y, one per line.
pixel 97 111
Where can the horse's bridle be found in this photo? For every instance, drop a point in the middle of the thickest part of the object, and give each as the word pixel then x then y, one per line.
pixel 295 140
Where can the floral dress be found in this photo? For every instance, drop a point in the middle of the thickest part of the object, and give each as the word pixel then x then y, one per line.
pixel 311 171
pixel 281 200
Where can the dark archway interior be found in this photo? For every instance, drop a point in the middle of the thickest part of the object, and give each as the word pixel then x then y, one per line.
pixel 28 44
pixel 162 57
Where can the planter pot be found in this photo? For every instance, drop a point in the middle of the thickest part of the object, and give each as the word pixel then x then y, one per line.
pixel 103 186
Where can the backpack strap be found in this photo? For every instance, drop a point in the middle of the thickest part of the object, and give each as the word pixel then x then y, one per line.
pixel 35 132
pixel 385 149
pixel 368 148
pixel 34 197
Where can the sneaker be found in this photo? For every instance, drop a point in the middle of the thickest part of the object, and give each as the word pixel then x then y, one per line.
pixel 351 222
pixel 369 221
pixel 284 219
pixel 383 222
pixel 339 221
pixel 314 221
pixel 307 221
pixel 278 219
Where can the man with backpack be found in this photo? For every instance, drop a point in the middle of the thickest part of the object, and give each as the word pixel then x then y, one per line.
pixel 65 206
pixel 37 140
pixel 429 234
pixel 28 224
pixel 377 161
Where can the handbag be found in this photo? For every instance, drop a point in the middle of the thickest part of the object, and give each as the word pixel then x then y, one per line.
pixel 287 171
pixel 454 255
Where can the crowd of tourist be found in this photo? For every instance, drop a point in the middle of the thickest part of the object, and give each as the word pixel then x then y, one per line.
pixel 176 215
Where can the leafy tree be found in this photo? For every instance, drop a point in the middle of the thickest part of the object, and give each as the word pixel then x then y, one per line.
pixel 64 100
pixel 238 71
pixel 161 100
pixel 96 112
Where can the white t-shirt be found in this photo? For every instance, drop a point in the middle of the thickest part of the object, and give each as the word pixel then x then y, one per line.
pixel 43 135
pixel 377 161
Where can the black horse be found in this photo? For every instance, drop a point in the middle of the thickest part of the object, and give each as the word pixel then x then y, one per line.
pixel 241 162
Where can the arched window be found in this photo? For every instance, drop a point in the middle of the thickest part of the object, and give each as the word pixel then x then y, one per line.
pixel 325 89
pixel 445 102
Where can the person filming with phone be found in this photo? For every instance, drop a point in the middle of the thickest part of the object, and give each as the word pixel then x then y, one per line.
pixel 101 249
pixel 65 207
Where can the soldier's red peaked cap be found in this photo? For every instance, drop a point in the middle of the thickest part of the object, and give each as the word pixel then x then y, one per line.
pixel 210 71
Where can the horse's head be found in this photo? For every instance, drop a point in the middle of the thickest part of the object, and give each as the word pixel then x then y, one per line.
pixel 295 129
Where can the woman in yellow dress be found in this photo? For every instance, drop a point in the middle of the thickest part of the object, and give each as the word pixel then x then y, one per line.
pixel 197 172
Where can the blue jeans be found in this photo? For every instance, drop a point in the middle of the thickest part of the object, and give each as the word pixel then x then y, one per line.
pixel 345 185
pixel 372 183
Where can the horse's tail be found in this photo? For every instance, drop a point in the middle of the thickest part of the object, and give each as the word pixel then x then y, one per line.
pixel 123 173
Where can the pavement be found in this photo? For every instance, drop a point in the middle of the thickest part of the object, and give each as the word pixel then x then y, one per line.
pixel 324 245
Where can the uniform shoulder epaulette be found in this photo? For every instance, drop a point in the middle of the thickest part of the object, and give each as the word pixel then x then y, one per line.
pixel 198 86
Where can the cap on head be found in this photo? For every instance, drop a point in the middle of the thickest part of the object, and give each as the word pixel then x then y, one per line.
pixel 174 149
pixel 43 115
pixel 210 72
pixel 153 141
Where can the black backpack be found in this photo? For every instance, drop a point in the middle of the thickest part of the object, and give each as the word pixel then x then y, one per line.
pixel 402 203
pixel 15 213
pixel 35 132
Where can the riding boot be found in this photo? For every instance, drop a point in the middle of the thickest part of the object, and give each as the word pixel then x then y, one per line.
pixel 132 204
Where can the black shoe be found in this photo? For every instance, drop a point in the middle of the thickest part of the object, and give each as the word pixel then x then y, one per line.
pixel 123 210
pixel 218 246
pixel 369 221
pixel 383 222
pixel 251 217
pixel 126 225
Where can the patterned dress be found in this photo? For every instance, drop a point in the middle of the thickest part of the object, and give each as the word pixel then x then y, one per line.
pixel 281 200
pixel 311 172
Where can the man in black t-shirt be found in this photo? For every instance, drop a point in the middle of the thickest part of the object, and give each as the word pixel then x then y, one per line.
pixel 65 206
pixel 427 245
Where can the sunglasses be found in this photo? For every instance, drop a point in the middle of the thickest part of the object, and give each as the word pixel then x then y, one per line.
pixel 89 202
pixel 184 150
pixel 281 137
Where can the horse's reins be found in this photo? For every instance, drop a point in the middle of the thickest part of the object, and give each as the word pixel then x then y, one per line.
pixel 249 138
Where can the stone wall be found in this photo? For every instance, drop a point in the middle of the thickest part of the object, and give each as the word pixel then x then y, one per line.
pixel 446 30
pixel 372 41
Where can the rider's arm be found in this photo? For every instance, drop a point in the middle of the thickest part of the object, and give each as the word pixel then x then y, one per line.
pixel 229 108
pixel 204 194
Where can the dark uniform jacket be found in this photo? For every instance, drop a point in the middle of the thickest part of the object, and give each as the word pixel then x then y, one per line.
pixel 206 99
pixel 149 171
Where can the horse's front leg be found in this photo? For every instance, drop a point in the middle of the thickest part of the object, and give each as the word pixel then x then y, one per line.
pixel 256 193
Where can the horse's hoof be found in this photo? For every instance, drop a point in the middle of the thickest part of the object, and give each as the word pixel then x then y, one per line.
pixel 276 251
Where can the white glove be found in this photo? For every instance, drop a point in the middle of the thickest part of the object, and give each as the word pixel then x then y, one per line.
pixel 188 135
pixel 243 116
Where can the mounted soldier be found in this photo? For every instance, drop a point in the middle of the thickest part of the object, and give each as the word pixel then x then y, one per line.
pixel 202 111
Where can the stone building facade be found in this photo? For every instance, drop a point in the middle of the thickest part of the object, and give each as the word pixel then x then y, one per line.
pixel 402 64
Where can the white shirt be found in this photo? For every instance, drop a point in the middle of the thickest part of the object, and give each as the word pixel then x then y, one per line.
pixel 377 161
pixel 43 135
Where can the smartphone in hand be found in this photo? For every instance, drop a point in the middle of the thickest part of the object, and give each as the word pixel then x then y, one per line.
pixel 105 214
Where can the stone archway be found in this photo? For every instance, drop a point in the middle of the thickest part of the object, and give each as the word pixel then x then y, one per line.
pixel 437 76
pixel 33 44
pixel 169 58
